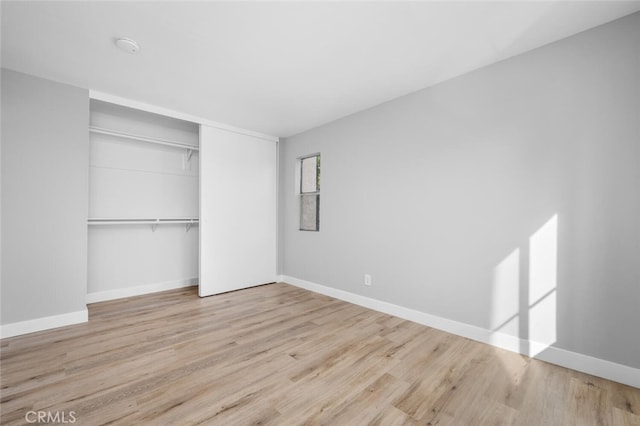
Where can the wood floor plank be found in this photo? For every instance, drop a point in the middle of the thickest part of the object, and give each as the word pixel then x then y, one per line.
pixel 281 355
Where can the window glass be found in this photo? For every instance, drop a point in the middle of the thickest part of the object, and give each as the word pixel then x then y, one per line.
pixel 309 209
pixel 309 174
pixel 310 193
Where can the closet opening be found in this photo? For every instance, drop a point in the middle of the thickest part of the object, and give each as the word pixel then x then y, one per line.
pixel 143 202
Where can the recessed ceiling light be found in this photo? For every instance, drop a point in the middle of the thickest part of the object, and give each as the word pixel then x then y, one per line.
pixel 127 45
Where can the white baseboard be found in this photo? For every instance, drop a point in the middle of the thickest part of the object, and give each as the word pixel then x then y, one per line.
pixel 119 293
pixel 573 360
pixel 44 323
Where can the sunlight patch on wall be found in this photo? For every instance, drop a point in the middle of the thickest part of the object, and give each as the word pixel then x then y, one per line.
pixel 543 259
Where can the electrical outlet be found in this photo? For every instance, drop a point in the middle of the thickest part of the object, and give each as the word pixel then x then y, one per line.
pixel 367 279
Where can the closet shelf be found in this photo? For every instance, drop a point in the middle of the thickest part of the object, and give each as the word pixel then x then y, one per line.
pixel 189 222
pixel 101 131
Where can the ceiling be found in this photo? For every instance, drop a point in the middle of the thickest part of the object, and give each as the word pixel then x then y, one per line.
pixel 279 67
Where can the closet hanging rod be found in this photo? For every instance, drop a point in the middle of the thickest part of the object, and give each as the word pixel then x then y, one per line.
pixel 108 132
pixel 189 222
pixel 110 221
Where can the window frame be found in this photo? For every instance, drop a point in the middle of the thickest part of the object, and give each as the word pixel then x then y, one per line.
pixel 302 195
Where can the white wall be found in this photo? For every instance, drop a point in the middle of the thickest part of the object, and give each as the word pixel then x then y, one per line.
pixel 45 163
pixel 132 179
pixel 505 199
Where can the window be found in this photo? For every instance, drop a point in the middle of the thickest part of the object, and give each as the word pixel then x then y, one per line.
pixel 310 193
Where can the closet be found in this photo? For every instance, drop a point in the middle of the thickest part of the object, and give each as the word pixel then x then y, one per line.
pixel 238 210
pixel 175 202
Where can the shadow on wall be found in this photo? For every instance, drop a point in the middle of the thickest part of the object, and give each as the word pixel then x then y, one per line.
pixel 524 292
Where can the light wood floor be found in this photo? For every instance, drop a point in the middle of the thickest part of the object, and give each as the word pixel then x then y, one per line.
pixel 281 355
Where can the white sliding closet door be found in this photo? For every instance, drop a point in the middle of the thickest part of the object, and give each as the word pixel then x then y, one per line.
pixel 237 211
